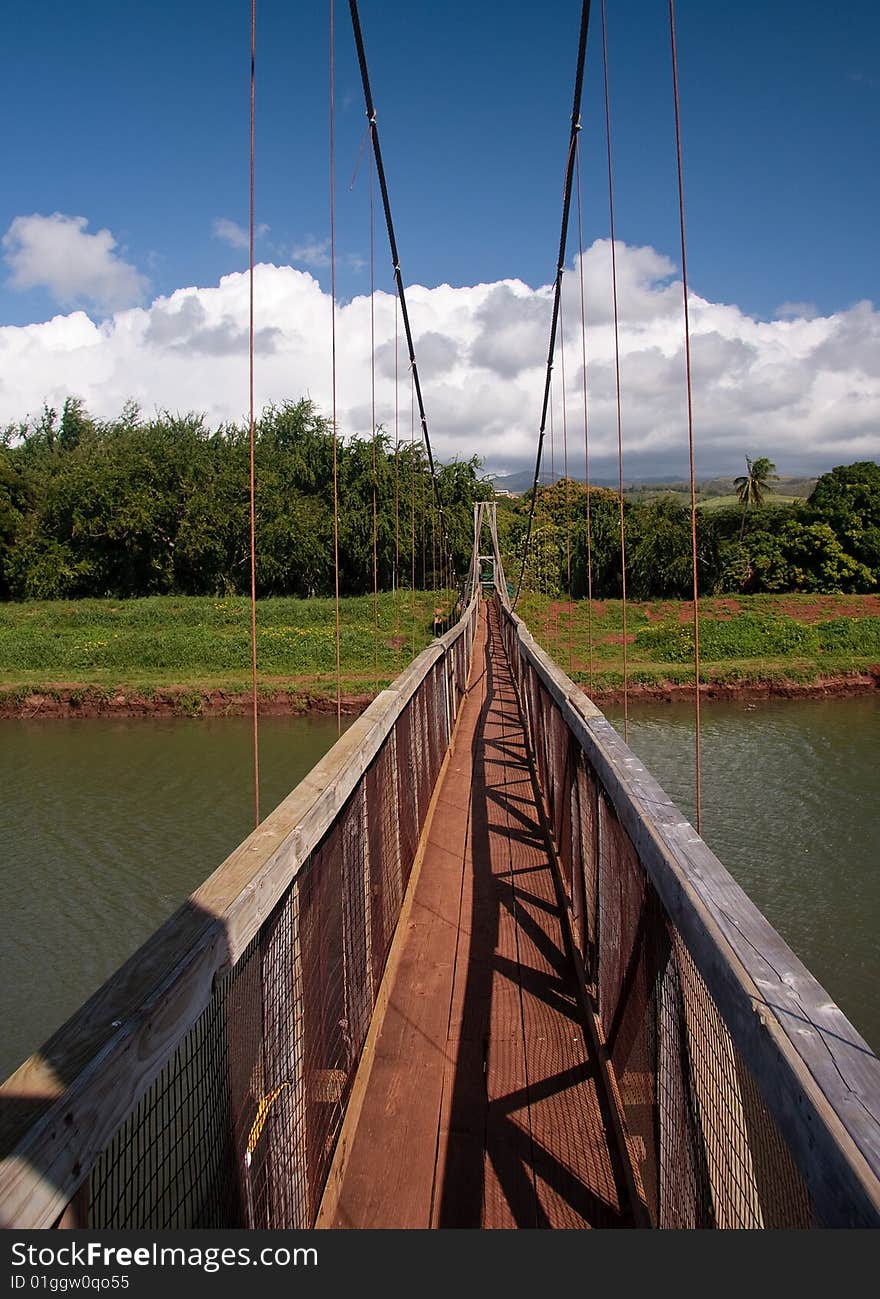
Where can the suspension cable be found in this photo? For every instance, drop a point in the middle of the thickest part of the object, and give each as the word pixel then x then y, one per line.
pixel 616 372
pixel 586 425
pixel 560 267
pixel 690 409
pixel 395 256
pixel 251 428
pixel 333 366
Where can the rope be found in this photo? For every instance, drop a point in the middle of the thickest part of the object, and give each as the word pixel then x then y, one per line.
pixel 690 409
pixel 395 257
pixel 251 428
pixel 560 266
pixel 617 372
pixel 586 426
pixel 333 367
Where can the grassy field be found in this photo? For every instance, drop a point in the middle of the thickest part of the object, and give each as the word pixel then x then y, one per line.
pixel 747 640
pixel 89 650
pixel 706 502
pixel 204 642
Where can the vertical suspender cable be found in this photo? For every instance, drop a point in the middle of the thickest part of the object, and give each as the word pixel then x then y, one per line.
pixel 433 552
pixel 412 505
pixel 617 373
pixel 396 472
pixel 586 426
pixel 690 408
pixel 553 583
pixel 333 364
pixel 373 418
pixel 422 510
pixel 251 430
pixel 554 574
pixel 565 475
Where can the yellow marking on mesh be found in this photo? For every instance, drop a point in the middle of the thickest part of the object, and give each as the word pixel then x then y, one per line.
pixel 262 1114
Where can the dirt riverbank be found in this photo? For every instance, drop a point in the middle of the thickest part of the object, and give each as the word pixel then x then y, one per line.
pixel 72 700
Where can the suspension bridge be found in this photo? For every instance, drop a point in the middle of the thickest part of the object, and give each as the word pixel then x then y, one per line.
pixel 476 970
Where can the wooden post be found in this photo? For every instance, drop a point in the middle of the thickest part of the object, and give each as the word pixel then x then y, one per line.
pixel 357 972
pixel 449 710
pixel 368 899
pixel 299 1191
pixel 396 872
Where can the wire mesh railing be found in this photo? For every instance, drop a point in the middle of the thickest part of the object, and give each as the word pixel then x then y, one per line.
pixel 205 1085
pixel 747 1098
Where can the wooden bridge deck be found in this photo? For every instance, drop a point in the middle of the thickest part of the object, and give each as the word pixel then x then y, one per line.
pixel 481 1107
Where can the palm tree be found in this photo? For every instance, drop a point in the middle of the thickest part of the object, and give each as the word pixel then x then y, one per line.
pixel 752 486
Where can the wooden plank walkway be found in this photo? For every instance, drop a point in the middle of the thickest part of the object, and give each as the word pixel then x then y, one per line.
pixel 481 1107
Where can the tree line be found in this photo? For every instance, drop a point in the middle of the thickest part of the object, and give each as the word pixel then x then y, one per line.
pixel 134 506
pixel 829 542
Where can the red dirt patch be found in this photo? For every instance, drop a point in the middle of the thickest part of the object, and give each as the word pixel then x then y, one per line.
pixel 822 607
pixel 725 608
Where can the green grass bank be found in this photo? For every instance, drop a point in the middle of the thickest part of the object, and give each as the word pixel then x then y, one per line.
pixel 761 644
pixel 191 655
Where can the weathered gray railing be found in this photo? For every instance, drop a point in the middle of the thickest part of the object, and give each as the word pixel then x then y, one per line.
pixel 206 1082
pixel 748 1097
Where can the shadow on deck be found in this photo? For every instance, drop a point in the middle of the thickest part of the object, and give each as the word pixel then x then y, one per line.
pixel 481 1103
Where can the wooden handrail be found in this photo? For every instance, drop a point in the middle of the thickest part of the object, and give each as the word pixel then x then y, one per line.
pixel 818 1077
pixel 63 1105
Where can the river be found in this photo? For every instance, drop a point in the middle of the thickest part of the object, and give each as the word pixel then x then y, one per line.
pixel 107 825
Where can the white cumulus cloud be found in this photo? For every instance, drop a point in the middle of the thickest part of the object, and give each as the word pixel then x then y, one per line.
pixel 804 390
pixel 57 253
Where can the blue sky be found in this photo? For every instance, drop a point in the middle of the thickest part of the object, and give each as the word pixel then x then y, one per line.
pixel 134 117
